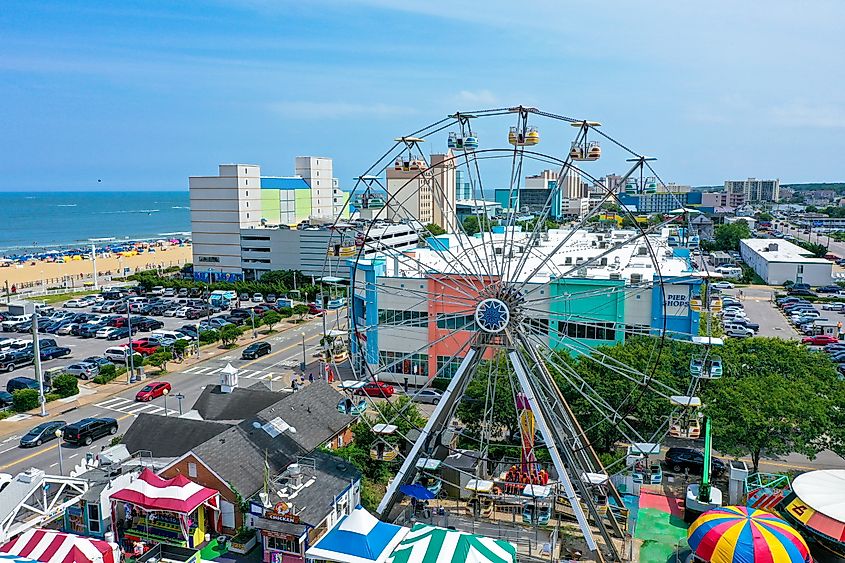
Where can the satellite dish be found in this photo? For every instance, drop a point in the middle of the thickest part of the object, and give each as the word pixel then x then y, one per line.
pixel 256 424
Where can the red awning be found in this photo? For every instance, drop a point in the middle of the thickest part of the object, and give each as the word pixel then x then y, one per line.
pixel 179 494
pixel 50 546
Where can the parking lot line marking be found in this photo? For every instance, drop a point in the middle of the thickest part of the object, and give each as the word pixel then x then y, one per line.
pixel 52 465
pixel 73 456
pixel 155 410
pixel 7 450
pixel 10 438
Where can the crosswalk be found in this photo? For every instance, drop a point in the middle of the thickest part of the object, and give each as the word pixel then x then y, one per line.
pixel 128 406
pixel 261 374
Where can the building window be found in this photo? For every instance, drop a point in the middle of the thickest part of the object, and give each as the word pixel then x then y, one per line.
pixel 592 331
pixel 537 326
pixel 287 543
pixel 451 321
pixel 94 518
pixel 404 318
pixel 247 204
pixel 800 268
pixel 340 441
pixel 404 363
pixel 247 215
pixel 247 192
pixel 447 366
pixel 192 469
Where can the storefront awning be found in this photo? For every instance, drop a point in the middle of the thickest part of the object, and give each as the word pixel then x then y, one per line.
pixel 358 538
pixel 179 494
pixel 50 546
pixel 430 544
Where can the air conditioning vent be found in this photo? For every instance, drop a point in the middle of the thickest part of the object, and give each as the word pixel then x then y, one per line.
pixel 636 279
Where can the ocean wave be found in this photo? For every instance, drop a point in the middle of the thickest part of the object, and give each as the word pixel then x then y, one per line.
pixel 65 205
pixel 179 207
pixel 129 211
pixel 176 234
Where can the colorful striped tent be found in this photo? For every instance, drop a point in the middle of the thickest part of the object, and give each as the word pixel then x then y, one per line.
pixel 739 534
pixel 430 544
pixel 50 546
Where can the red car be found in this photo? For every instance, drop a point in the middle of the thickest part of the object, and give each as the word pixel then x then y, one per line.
pixel 117 322
pixel 819 340
pixel 144 347
pixel 376 389
pixel 313 309
pixel 152 390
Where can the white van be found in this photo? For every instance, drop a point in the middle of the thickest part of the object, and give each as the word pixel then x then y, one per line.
pixel 168 334
pixel 117 354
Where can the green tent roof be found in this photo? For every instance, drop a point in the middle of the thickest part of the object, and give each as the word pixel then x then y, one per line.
pixel 430 544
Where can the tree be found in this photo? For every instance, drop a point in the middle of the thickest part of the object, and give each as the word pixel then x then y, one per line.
pixel 159 359
pixel 811 209
pixel 492 374
pixel 271 318
pixel 473 224
pixel 229 334
pixel 818 250
pixel 180 346
pixel 435 229
pixel 66 385
pixel 301 310
pixel 765 217
pixel 727 236
pixel 285 312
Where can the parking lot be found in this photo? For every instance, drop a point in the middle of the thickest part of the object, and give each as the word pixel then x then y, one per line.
pixel 760 309
pixel 81 348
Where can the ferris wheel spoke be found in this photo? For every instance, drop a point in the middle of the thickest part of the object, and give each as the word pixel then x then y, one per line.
pixel 579 384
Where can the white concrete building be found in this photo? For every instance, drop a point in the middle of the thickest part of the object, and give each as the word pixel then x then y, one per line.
pixel 754 190
pixel 221 206
pixel 326 198
pixel 779 261
pixel 419 192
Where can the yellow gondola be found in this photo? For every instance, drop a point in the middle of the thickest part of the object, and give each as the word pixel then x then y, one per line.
pixel 528 136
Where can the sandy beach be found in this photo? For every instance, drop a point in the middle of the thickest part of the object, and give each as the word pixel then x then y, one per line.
pixel 35 275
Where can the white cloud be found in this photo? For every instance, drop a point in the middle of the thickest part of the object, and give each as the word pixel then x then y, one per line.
pixel 799 114
pixel 483 98
pixel 336 110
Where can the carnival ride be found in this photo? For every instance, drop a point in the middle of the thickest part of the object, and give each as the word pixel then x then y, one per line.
pixel 500 302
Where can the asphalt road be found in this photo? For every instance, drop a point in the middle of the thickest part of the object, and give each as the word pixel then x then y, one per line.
pixel 833 246
pixel 273 369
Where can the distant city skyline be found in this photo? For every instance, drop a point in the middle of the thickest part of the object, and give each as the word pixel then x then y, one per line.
pixel 103 96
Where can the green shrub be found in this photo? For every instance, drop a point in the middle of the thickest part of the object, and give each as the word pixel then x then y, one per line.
pixel 209 337
pixel 108 370
pixel 159 360
pixel 25 399
pixel 65 385
pixel 286 312
pixel 52 397
pixel 229 334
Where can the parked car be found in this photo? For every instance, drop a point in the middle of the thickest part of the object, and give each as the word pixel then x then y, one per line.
pixel 838 306
pixel 83 370
pixel 117 354
pixel 257 297
pixel 723 285
pixel 121 333
pixel 147 324
pixel 679 460
pixel 52 352
pixel 376 389
pixel 313 309
pixel 89 429
pixel 6 400
pixel 739 332
pixel 819 340
pixel 44 432
pixel 17 383
pixel 74 304
pixel 157 290
pixel 15 359
pixel 828 289
pixel 804 292
pixel 152 390
pixel 255 350
pixel 145 346
pixel 428 396
pixel 105 332
pixel 747 324
pixel 98 361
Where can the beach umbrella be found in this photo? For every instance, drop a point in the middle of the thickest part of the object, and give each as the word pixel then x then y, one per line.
pixel 739 534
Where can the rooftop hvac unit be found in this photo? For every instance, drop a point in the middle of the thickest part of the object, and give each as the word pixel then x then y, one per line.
pixel 579 259
pixel 582 272
pixel 642 251
pixel 498 250
pixel 615 276
pixel 636 279
pixel 668 253
pixel 773 246
pixel 604 261
pixel 603 244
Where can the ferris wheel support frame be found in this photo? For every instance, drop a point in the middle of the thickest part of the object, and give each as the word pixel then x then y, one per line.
pixel 443 411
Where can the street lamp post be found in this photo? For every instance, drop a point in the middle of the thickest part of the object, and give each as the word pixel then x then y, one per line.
pixel 252 318
pixel 179 397
pixel 36 359
pixel 164 394
pixel 59 435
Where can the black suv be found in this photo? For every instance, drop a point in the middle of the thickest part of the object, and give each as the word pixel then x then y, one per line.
pixel 681 459
pixel 89 429
pixel 16 359
pixel 255 350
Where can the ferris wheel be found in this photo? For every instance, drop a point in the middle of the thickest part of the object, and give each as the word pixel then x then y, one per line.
pixel 489 263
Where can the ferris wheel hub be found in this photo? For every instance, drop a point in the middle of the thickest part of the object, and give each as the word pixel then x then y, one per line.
pixel 492 315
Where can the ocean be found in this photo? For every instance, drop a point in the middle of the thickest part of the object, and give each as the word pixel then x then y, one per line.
pixel 34 220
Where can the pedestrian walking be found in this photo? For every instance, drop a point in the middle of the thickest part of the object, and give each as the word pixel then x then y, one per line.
pixel 310 378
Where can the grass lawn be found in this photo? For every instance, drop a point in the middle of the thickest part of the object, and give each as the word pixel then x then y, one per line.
pixel 62 297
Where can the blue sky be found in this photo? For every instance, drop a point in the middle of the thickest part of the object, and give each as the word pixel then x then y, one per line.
pixel 142 94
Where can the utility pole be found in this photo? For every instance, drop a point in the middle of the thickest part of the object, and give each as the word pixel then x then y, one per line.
pixel 131 350
pixel 94 261
pixel 36 350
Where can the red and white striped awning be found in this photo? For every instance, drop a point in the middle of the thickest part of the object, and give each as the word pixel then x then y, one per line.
pixel 50 546
pixel 179 494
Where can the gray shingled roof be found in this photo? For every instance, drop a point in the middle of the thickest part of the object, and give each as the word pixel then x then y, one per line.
pixel 333 475
pixel 241 403
pixel 238 454
pixel 312 411
pixel 169 436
